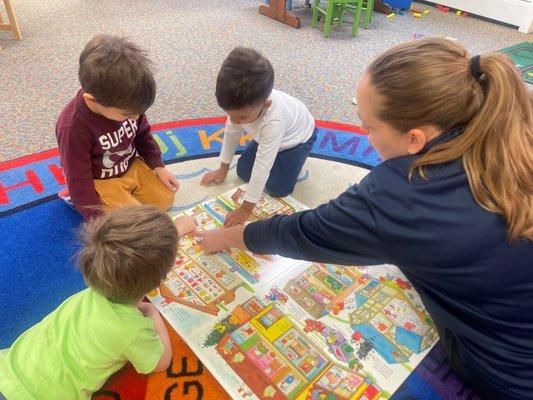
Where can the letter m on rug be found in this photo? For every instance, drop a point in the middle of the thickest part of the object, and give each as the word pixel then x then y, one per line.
pixel 352 143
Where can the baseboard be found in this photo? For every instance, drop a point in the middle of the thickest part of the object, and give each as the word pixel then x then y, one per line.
pixel 515 13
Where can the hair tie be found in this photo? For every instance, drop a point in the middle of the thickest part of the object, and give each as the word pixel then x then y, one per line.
pixel 475 68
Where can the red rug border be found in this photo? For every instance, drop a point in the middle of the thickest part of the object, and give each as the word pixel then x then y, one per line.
pixel 30 158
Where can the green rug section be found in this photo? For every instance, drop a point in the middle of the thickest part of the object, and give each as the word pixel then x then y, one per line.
pixel 522 56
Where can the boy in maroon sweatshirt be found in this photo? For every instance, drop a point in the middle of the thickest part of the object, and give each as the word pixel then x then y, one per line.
pixel 109 156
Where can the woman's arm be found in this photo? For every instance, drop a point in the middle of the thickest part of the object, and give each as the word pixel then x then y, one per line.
pixel 342 231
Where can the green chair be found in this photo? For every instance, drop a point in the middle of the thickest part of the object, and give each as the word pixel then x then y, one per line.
pixel 367 7
pixel 335 9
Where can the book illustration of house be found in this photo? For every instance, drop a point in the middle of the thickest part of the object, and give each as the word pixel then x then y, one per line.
pixel 388 318
pixel 208 282
pixel 278 361
pixel 211 215
pixel 338 345
pixel 340 384
pixel 201 284
pixel 378 309
pixel 204 220
pixel 321 287
pixel 266 207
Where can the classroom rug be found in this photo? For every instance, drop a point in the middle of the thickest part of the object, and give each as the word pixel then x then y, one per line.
pixel 521 55
pixel 38 242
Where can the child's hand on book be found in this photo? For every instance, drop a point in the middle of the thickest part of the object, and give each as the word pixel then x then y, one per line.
pixel 236 217
pixel 185 224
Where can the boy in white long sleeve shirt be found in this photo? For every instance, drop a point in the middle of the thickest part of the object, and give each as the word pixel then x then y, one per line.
pixel 282 129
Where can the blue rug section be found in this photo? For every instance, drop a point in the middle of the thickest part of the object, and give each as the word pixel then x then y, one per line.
pixel 40 179
pixel 37 275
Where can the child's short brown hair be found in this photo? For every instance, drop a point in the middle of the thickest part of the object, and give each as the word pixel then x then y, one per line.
pixel 246 78
pixel 128 252
pixel 117 73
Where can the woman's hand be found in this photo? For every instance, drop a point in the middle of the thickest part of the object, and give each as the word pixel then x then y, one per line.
pixel 222 239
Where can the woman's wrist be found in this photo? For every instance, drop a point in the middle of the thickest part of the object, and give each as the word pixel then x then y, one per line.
pixel 235 237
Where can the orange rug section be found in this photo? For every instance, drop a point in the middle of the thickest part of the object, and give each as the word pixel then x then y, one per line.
pixel 186 379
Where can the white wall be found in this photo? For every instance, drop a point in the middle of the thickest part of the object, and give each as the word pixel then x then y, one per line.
pixel 514 12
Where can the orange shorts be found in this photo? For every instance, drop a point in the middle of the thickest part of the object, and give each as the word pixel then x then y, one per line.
pixel 139 185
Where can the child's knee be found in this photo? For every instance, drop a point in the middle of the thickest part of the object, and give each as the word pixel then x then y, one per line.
pixel 163 199
pixel 244 171
pixel 167 199
pixel 279 189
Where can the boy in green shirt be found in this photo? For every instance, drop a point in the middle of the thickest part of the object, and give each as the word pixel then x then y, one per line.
pixel 72 351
